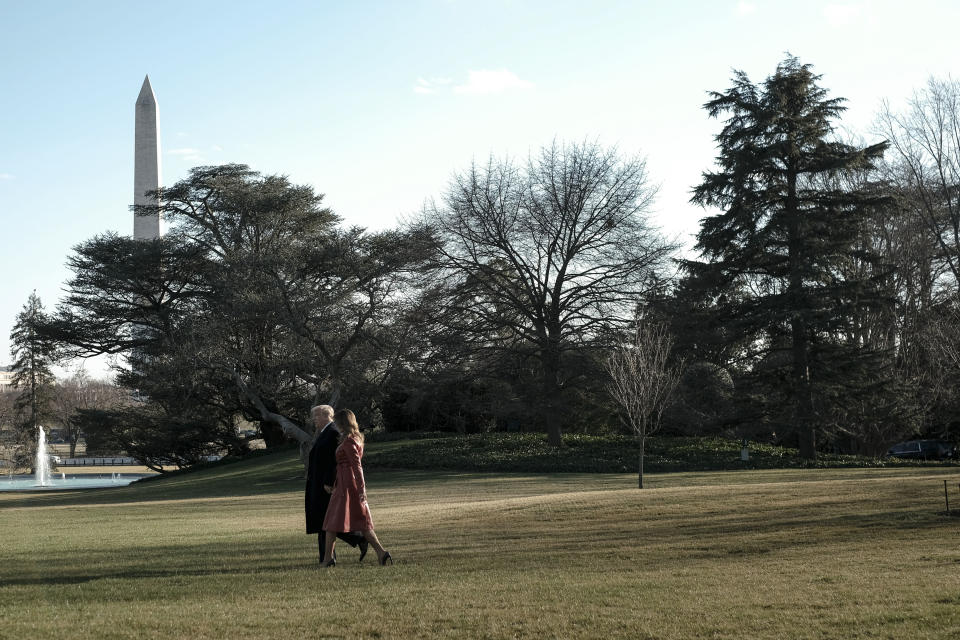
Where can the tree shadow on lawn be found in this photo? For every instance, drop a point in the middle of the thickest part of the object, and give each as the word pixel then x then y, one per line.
pixel 283 474
pixel 280 473
pixel 164 561
pixel 274 480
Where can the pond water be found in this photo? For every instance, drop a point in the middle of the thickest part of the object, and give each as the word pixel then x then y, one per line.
pixel 62 482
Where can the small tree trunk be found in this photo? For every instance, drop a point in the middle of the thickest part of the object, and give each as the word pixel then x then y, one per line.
pixel 808 440
pixel 643 446
pixel 554 434
pixel 803 395
pixel 803 399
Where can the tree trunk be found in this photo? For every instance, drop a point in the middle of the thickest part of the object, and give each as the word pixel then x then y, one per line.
pixel 272 433
pixel 802 393
pixel 643 447
pixel 273 426
pixel 335 392
pixel 554 434
pixel 552 395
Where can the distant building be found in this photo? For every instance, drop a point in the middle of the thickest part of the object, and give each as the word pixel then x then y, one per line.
pixel 6 378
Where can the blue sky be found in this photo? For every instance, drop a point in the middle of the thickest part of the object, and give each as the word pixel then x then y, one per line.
pixel 376 104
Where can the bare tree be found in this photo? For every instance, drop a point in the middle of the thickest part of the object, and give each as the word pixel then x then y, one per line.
pixel 925 138
pixel 80 392
pixel 642 379
pixel 547 259
pixel 942 332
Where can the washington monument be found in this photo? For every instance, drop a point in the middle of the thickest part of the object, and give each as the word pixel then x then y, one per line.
pixel 146 163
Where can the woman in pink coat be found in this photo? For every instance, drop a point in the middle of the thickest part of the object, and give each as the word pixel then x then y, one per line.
pixel 348 510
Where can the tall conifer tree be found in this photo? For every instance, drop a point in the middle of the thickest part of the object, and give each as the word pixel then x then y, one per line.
pixel 785 224
pixel 33 357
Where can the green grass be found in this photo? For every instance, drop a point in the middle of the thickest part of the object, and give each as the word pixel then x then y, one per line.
pixel 529 452
pixel 220 553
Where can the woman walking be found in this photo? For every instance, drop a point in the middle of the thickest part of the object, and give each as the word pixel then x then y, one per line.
pixel 348 510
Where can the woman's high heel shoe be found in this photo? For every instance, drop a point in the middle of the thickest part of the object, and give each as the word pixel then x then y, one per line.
pixel 332 563
pixel 386 556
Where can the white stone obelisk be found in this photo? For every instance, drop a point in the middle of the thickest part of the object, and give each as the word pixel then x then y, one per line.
pixel 146 163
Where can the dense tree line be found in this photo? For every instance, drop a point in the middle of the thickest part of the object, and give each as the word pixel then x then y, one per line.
pixel 819 312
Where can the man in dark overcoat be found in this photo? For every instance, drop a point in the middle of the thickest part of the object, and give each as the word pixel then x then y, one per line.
pixel 321 473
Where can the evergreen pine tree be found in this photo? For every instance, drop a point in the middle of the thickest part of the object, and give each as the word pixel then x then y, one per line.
pixel 771 255
pixel 33 357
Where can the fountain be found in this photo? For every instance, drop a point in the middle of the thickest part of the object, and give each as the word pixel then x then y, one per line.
pixel 41 470
pixel 41 475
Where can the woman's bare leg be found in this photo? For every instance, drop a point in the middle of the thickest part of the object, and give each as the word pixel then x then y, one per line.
pixel 329 537
pixel 371 537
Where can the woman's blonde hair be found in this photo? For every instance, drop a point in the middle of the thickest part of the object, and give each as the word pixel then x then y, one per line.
pixel 348 425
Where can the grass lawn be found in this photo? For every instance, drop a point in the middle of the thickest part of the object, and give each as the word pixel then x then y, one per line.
pixel 220 553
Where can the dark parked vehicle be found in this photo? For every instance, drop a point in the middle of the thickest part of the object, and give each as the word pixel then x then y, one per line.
pixel 923 450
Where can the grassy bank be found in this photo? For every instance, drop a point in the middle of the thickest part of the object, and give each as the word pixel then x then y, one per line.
pixel 529 452
pixel 220 553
